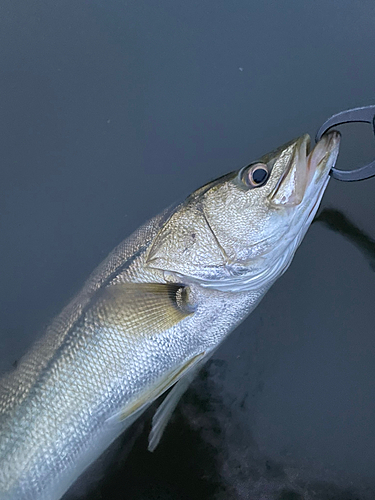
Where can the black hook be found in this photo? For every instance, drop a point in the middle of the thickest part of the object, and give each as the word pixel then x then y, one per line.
pixel 365 114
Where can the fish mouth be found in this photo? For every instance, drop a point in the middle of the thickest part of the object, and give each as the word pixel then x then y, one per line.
pixel 307 167
pixel 323 156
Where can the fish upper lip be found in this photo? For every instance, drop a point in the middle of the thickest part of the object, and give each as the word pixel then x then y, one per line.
pixel 292 184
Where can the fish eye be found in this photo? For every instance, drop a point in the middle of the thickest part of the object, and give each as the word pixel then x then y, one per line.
pixel 256 175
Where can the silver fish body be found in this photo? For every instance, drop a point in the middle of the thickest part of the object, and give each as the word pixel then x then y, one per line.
pixel 150 315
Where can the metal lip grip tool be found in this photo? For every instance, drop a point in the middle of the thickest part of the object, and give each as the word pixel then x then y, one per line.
pixel 364 114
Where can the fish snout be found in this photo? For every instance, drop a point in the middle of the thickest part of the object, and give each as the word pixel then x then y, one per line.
pixel 305 165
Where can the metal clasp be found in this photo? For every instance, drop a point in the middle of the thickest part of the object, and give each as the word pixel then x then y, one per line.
pixel 365 114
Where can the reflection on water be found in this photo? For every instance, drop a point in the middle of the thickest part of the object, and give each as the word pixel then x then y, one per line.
pixel 204 454
pixel 183 466
pixel 337 221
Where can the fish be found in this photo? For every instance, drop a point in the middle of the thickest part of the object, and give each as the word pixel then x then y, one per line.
pixel 151 315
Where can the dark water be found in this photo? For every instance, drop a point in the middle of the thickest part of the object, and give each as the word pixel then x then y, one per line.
pixel 111 110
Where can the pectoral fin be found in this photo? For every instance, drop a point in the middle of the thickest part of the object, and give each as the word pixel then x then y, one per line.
pixel 141 308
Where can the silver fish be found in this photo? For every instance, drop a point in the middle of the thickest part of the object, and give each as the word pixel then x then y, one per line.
pixel 151 315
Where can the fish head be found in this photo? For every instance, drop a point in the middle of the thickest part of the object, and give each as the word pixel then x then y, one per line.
pixel 241 231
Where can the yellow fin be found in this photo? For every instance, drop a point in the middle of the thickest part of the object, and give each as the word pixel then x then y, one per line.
pixel 141 308
pixel 145 398
pixel 167 407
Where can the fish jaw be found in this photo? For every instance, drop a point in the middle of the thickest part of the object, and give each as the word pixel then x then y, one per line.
pixel 305 169
pixel 317 166
pixel 291 187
